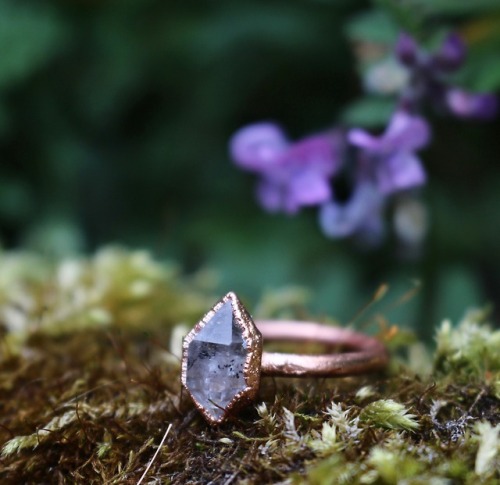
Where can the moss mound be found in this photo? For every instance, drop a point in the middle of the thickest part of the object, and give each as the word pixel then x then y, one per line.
pixel 89 378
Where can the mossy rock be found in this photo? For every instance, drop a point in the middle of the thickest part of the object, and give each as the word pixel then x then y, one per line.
pixel 89 378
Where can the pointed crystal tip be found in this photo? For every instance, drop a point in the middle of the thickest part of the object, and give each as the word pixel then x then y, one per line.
pixel 221 360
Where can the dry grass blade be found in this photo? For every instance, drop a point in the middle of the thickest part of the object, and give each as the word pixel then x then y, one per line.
pixel 155 455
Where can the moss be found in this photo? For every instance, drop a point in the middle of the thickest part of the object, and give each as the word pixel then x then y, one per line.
pixel 488 453
pixel 470 350
pixel 386 413
pixel 89 372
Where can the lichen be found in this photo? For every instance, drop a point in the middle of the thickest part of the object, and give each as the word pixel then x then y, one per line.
pixel 89 377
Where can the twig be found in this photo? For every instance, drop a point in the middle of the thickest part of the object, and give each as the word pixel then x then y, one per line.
pixel 156 453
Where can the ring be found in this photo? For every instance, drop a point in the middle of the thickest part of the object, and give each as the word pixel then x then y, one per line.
pixel 223 360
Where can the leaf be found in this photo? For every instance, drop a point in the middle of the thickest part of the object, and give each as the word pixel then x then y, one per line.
pixel 482 70
pixel 408 19
pixel 369 112
pixel 373 26
pixel 456 7
pixel 31 36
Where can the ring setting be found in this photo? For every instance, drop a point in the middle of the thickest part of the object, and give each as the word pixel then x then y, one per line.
pixel 221 360
pixel 223 357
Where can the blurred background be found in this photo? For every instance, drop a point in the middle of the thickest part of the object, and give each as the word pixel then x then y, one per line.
pixel 115 118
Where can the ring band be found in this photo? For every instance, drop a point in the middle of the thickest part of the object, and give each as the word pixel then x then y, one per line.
pixel 366 354
pixel 223 358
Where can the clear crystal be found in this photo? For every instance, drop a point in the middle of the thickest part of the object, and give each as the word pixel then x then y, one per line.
pixel 215 362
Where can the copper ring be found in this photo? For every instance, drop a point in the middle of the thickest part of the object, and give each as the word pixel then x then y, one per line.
pixel 223 358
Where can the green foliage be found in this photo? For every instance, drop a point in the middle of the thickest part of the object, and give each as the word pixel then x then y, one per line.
pixel 368 111
pixel 373 26
pixel 33 35
pixel 456 7
pixel 380 27
pixel 115 117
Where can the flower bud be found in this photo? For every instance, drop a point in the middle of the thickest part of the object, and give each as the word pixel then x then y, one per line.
pixel 407 50
pixel 451 54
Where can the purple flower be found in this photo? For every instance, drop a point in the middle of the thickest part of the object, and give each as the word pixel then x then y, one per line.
pixel 389 158
pixel 360 215
pixel 258 147
pixel 381 165
pixel 292 175
pixel 407 50
pixel 451 54
pixel 428 79
pixel 470 105
pixel 447 58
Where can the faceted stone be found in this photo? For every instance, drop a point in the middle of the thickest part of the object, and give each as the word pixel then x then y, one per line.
pixel 215 357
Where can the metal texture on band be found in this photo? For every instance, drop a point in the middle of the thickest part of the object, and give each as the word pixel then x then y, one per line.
pixel 364 353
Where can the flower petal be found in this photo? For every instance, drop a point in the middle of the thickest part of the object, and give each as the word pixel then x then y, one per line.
pixel 469 105
pixel 407 49
pixel 406 132
pixel 401 171
pixel 320 153
pixel 257 147
pixel 308 188
pixel 363 139
pixel 339 220
pixel 372 231
pixel 451 54
pixel 270 195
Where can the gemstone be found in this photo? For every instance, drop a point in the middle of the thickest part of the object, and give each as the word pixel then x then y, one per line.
pixel 221 360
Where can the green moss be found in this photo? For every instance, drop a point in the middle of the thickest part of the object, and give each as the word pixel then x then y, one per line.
pixel 89 375
pixel 470 350
pixel 488 453
pixel 386 413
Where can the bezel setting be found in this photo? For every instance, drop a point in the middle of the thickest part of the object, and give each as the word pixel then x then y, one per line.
pixel 251 341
